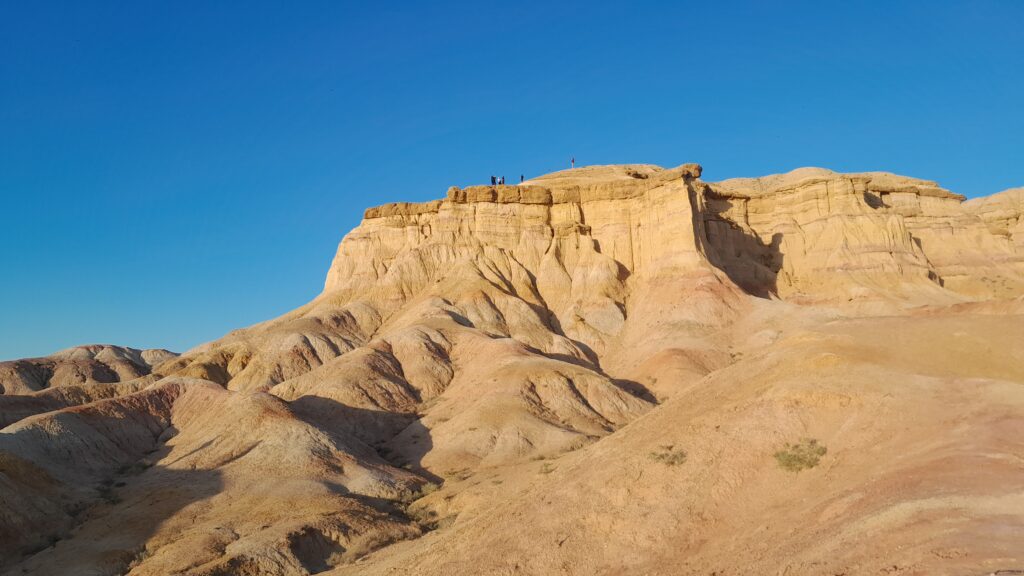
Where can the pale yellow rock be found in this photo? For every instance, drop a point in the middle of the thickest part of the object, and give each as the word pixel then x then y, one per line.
pixel 1003 213
pixel 589 373
pixel 815 235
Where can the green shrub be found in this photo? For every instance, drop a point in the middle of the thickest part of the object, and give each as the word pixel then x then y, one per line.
pixel 804 454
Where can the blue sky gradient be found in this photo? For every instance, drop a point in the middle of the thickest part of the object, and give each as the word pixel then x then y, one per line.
pixel 170 171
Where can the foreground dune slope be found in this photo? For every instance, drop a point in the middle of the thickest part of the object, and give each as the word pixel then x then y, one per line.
pixel 922 473
pixel 605 370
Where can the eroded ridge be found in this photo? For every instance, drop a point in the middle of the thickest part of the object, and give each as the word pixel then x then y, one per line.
pixel 603 370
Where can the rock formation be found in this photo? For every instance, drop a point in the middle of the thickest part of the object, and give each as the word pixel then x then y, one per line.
pixel 610 369
pixel 815 234
pixel 86 365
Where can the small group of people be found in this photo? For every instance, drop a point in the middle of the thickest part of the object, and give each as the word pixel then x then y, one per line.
pixel 500 180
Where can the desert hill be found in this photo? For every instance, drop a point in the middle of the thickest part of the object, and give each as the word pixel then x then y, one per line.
pixel 605 370
pixel 85 365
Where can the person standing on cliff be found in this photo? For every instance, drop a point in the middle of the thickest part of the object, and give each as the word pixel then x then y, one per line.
pixel 572 163
pixel 521 178
pixel 493 180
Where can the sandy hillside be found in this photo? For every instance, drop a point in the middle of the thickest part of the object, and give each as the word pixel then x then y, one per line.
pixel 607 370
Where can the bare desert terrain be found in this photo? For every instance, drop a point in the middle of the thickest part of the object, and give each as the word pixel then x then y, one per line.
pixel 606 370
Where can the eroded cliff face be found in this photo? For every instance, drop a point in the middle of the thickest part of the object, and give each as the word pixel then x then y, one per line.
pixel 505 346
pixel 813 235
pixel 551 264
pixel 569 262
pixel 565 243
pixel 1003 213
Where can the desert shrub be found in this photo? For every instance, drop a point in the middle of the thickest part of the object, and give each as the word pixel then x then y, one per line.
pixel 464 474
pixel 408 496
pixel 134 468
pixel 109 496
pixel 75 508
pixel 140 555
pixel 49 542
pixel 580 443
pixel 669 455
pixel 804 454
pixel 421 515
pixel 106 491
pixel 429 520
pixel 444 522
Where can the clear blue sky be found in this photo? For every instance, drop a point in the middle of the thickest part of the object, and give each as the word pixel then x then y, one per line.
pixel 170 171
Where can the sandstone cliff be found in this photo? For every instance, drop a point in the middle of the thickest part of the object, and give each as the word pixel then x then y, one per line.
pixel 589 373
pixel 818 235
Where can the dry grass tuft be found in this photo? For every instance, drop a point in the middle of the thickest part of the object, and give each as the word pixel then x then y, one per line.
pixel 669 455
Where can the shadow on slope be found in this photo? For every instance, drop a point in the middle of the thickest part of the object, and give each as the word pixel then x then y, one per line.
pixel 747 261
pixel 104 491
pixel 100 521
pixel 420 444
pixel 342 422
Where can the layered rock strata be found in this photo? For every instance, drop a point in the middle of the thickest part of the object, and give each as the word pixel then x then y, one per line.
pixel 490 365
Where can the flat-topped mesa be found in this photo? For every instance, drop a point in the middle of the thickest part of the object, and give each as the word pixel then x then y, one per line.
pixel 547 262
pixel 618 208
pixel 573 236
pixel 563 261
pixel 810 234
pixel 584 184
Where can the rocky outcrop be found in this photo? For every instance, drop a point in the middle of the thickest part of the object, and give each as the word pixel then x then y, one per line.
pixel 562 262
pixel 816 235
pixel 1003 216
pixel 506 346
pixel 1003 213
pixel 92 364
pixel 567 241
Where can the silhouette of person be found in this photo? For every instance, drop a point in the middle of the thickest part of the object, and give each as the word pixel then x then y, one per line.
pixel 493 180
